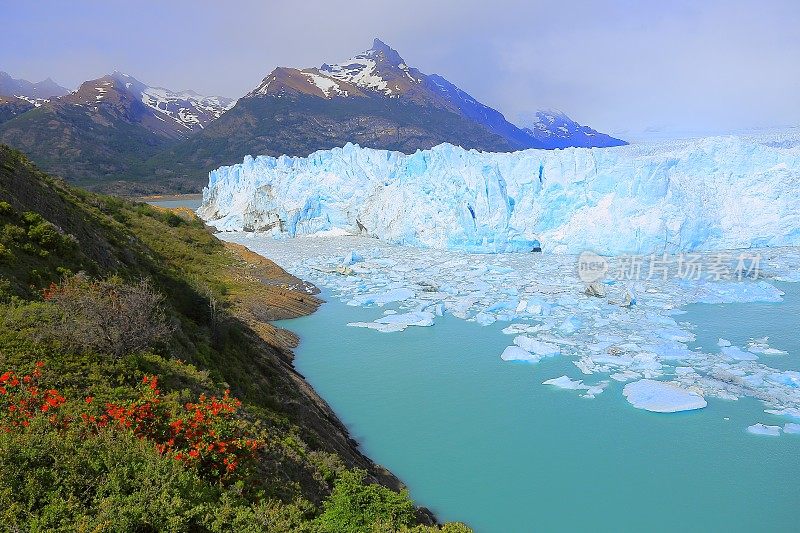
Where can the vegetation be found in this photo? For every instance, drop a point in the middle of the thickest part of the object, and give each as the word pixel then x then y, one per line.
pixel 142 387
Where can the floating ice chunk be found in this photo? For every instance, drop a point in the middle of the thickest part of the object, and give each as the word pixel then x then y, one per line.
pixel 397 322
pixel 723 342
pixel 791 428
pixel 737 353
pixel 383 298
pixel 515 353
pixel 790 378
pixel 383 328
pixel 565 382
pixel 485 319
pixel 761 346
pixel 627 375
pixel 352 258
pixel 542 349
pixel 570 325
pixel 661 397
pixel 791 412
pixel 414 318
pixel 761 429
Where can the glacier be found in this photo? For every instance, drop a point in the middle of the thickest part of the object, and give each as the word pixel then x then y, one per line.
pixel 703 194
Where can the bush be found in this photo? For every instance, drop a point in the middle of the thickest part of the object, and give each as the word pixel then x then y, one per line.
pixel 354 507
pixel 108 316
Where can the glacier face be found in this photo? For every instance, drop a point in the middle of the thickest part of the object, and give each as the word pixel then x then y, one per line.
pixel 705 194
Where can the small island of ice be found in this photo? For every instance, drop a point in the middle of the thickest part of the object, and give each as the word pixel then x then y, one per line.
pixel 661 397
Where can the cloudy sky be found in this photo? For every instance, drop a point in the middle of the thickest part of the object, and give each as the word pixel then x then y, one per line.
pixel 622 66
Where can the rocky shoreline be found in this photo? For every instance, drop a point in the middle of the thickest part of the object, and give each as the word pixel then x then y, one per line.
pixel 285 296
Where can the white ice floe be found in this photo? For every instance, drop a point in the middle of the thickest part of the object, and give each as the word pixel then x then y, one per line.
pixel 515 353
pixel 395 322
pixel 383 298
pixel 791 428
pixel 761 429
pixel 661 397
pixel 542 349
pixel 565 382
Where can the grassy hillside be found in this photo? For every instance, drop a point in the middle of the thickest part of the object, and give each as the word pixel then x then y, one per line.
pixel 108 432
pixel 83 144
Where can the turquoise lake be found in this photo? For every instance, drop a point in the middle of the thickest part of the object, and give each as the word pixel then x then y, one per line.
pixel 480 440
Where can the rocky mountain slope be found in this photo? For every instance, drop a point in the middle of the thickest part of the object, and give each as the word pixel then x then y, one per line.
pixel 11 106
pixel 107 127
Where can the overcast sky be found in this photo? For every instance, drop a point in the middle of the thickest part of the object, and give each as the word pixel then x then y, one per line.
pixel 620 66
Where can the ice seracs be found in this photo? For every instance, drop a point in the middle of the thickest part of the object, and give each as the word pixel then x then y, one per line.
pixel 707 194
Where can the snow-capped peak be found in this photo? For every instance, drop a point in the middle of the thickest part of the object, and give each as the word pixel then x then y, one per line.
pixel 376 69
pixel 187 109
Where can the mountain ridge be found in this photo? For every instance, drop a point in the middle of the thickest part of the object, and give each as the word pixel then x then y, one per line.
pixel 120 135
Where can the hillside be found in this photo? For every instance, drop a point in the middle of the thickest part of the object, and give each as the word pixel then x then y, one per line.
pixel 11 106
pixel 104 130
pixel 212 304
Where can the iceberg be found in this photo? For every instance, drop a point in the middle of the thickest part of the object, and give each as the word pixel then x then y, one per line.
pixel 565 382
pixel 704 194
pixel 394 322
pixel 791 428
pixel 761 429
pixel 661 397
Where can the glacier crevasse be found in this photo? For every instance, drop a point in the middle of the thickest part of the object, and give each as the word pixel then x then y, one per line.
pixel 705 194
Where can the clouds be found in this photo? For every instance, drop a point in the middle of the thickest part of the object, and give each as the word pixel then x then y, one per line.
pixel 622 66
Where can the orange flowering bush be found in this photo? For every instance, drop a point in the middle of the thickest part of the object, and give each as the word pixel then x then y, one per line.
pixel 21 399
pixel 205 434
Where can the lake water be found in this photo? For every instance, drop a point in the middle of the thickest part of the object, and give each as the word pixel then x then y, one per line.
pixel 481 440
pixel 192 202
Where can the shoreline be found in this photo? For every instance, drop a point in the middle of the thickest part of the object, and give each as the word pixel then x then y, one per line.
pixel 287 296
pixel 168 197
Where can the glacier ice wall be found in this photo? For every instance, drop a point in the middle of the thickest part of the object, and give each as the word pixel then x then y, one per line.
pixel 705 194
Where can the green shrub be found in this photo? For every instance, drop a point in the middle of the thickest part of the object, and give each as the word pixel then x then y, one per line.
pixel 355 507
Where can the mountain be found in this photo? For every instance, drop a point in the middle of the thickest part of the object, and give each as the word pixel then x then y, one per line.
pixel 11 106
pixel 33 92
pixel 109 125
pixel 373 99
pixel 183 111
pixel 120 135
pixel 554 129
